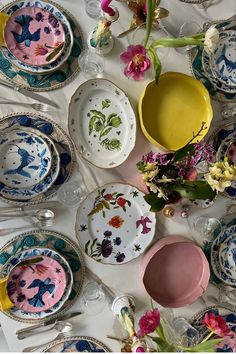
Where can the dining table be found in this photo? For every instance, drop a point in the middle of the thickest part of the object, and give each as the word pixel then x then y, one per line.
pixel 120 278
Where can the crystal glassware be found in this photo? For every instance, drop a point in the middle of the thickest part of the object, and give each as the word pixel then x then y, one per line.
pixel 71 193
pixel 186 334
pixel 93 8
pixel 205 225
pixel 93 298
pixel 187 29
pixel 91 64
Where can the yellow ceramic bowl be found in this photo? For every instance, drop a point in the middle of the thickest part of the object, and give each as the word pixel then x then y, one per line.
pixel 3 20
pixel 173 110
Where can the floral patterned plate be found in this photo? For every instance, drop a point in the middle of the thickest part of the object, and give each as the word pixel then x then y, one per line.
pixel 78 344
pixel 59 243
pixel 34 36
pixel 25 158
pixel 63 145
pixel 114 224
pixel 12 286
pixel 102 123
pixel 37 286
pixel 68 37
pixel 52 80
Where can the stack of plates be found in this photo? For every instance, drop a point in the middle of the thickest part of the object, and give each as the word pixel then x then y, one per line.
pixel 175 271
pixel 45 273
pixel 223 141
pixel 35 158
pixel 38 38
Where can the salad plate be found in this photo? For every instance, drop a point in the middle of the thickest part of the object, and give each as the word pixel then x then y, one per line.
pixel 66 50
pixel 27 255
pixel 63 145
pixel 62 73
pixel 223 58
pixel 76 344
pixel 36 285
pixel 223 273
pixel 25 158
pixel 34 36
pixel 228 256
pixel 102 123
pixel 114 224
pixel 49 241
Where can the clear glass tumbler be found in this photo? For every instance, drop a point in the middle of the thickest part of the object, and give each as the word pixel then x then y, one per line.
pixel 187 29
pixel 93 8
pixel 188 335
pixel 205 225
pixel 91 64
pixel 72 193
pixel 93 298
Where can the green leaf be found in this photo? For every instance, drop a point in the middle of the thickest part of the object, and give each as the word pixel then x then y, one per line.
pixel 208 346
pixel 91 123
pixel 111 144
pixel 106 204
pixel 106 103
pixel 105 132
pixel 98 114
pixel 86 247
pixel 155 62
pixel 96 210
pixel 156 203
pixel 54 52
pixel 194 190
pixel 183 152
pixel 151 6
pixel 114 120
pixel 98 126
pixel 163 346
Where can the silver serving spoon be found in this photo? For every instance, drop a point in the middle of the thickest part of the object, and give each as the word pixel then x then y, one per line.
pixel 60 326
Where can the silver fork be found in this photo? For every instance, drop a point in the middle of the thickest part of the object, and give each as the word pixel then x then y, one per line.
pixel 42 107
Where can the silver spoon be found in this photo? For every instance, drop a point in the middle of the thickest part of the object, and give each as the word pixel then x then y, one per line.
pixel 60 326
pixel 40 214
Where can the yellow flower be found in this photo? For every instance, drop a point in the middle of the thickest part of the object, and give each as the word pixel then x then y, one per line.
pixel 152 187
pixel 220 175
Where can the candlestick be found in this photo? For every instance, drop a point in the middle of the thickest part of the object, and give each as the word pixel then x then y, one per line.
pixel 106 8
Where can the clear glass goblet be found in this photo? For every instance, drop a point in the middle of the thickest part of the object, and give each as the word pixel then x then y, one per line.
pixel 91 64
pixel 205 225
pixel 187 29
pixel 93 298
pixel 72 193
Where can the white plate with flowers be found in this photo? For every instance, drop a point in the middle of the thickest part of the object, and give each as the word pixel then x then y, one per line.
pixel 114 224
pixel 102 123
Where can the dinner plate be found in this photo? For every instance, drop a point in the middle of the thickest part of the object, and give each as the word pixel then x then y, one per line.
pixel 165 110
pixel 36 285
pixel 54 241
pixel 63 145
pixel 223 58
pixel 34 36
pixel 66 50
pixel 34 253
pixel 221 240
pixel 25 158
pixel 78 344
pixel 26 193
pixel 102 123
pixel 114 224
pixel 228 256
pixel 170 281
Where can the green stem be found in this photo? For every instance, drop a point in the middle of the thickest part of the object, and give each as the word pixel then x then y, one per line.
pixel 207 337
pixel 177 42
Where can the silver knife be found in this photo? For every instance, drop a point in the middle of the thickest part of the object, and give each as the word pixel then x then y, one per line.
pixel 45 205
pixel 22 333
pixel 30 94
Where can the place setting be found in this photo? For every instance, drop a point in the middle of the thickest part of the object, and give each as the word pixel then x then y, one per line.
pixel 41 58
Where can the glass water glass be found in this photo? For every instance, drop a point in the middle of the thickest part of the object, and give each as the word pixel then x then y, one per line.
pixel 205 225
pixel 72 193
pixel 188 335
pixel 93 298
pixel 187 29
pixel 91 64
pixel 93 8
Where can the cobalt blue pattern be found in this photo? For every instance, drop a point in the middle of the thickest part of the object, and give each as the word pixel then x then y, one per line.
pixel 80 344
pixel 26 36
pixel 43 287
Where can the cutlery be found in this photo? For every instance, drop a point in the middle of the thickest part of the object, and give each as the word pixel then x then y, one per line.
pixel 40 214
pixel 45 223
pixel 30 94
pixel 48 322
pixel 49 204
pixel 63 328
pixel 42 107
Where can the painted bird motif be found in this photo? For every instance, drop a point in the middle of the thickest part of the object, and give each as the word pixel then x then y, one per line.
pixel 230 65
pixel 44 286
pixel 25 36
pixel 25 160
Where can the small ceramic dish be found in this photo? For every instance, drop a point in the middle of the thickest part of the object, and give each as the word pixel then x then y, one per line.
pixel 34 36
pixel 171 111
pixel 228 256
pixel 77 344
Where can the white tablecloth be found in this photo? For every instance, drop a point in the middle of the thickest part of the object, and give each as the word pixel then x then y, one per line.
pixel 122 278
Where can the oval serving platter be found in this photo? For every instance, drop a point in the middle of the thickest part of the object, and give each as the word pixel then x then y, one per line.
pixel 102 123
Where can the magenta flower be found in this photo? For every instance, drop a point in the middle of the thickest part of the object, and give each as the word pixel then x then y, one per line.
pixel 137 61
pixel 216 324
pixel 149 322
pixel 40 50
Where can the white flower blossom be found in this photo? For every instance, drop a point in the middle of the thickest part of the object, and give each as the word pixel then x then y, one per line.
pixel 211 40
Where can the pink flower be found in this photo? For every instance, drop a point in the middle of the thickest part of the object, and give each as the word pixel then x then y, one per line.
pixel 149 322
pixel 191 175
pixel 137 61
pixel 40 50
pixel 216 324
pixel 227 344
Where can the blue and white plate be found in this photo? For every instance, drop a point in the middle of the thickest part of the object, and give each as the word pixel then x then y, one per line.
pixel 57 242
pixel 35 252
pixel 64 147
pixel 25 158
pixel 220 240
pixel 44 184
pixel 68 37
pixel 228 256
pixel 223 60
pixel 77 344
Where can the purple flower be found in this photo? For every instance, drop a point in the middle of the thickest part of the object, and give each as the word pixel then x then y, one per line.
pixel 53 21
pixel 15 276
pixel 39 16
pixel 161 159
pixel 11 288
pixel 107 233
pixel 20 298
pixel 57 33
pixel 117 241
pixel 47 30
pixel 105 248
pixel 120 257
pixel 149 157
pixel 22 283
pixel 136 60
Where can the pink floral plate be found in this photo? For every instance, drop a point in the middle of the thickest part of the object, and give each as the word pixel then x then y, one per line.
pixel 34 36
pixel 36 284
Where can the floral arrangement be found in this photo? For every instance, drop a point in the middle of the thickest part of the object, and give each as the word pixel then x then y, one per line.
pixel 152 322
pixel 172 176
pixel 138 59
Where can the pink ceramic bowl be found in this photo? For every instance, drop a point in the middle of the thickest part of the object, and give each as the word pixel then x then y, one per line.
pixel 175 272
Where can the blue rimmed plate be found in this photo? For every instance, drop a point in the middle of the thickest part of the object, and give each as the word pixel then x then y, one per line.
pixel 56 242
pixel 68 37
pixel 63 145
pixel 27 255
pixel 78 344
pixel 25 158
pixel 228 256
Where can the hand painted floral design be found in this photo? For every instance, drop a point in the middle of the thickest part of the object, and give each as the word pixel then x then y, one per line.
pixel 20 297
pixel 143 222
pixel 22 283
pixel 137 62
pixel 83 228
pixel 41 269
pixel 120 257
pixel 216 324
pixel 102 125
pixel 96 249
pixel 53 21
pixel 116 221
pixel 117 241
pixel 42 50
pixel 149 322
pixel 39 16
pixel 11 288
pixel 107 234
